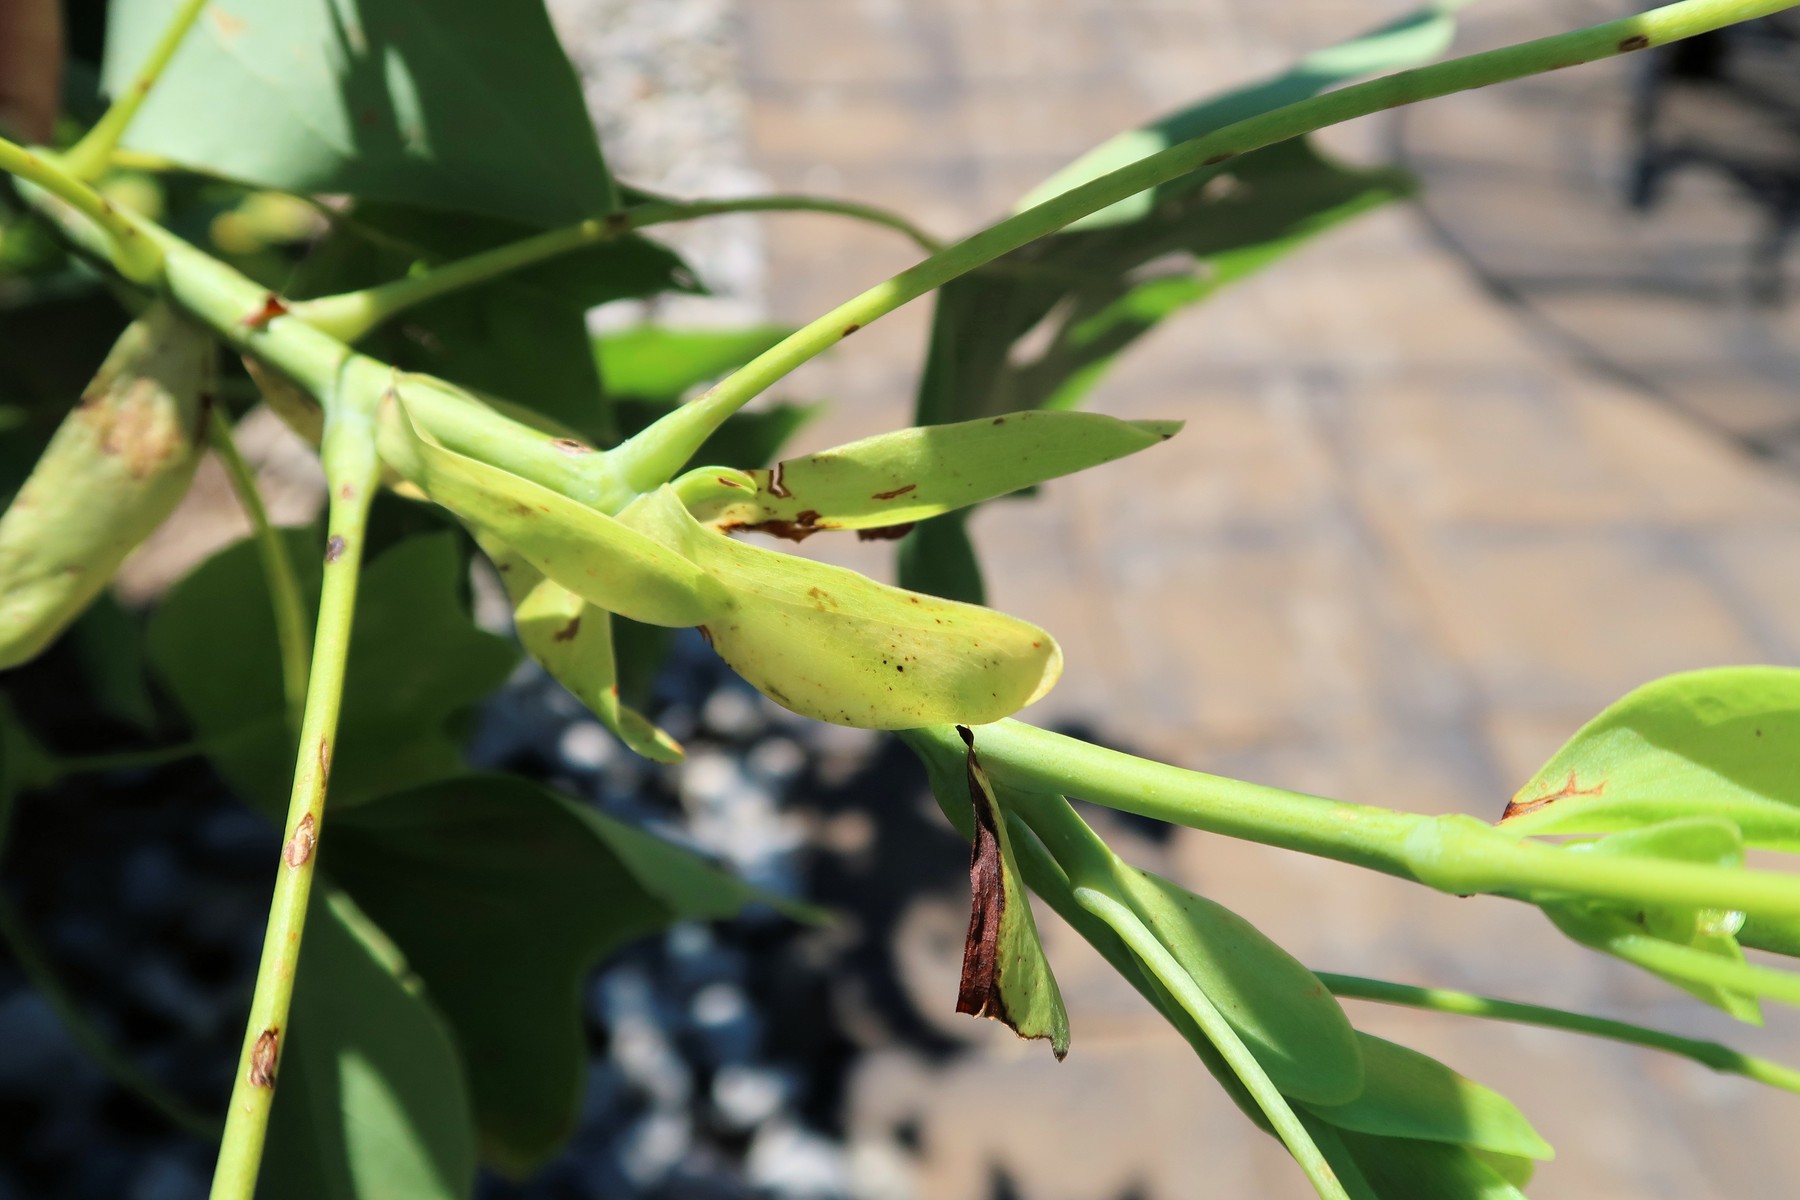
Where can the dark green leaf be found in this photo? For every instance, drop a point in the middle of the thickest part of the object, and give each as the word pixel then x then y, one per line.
pixel 503 895
pixel 415 660
pixel 464 105
pixel 370 1098
pixel 1406 1094
pixel 938 558
pixel 522 336
pixel 1719 742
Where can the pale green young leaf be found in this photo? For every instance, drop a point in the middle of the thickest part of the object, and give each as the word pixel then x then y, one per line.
pixel 831 644
pixel 1295 1028
pixel 1406 1094
pixel 593 555
pixel 1005 975
pixel 464 105
pixel 655 365
pixel 371 1097
pixel 573 641
pixel 1718 742
pixel 906 476
pixel 1712 841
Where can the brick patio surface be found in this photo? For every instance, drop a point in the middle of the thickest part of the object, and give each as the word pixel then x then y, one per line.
pixel 1411 538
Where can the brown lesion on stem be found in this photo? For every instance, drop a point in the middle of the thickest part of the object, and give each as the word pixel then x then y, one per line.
pixel 1636 41
pixel 324 762
pixel 570 446
pixel 300 846
pixel 272 306
pixel 1518 808
pixel 263 1057
pixel 334 548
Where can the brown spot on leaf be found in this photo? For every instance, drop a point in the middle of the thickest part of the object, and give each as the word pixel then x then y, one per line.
pixel 1216 159
pixel 263 1057
pixel 803 526
pixel 272 307
pixel 705 633
pixel 896 493
pixel 1636 41
pixel 299 849
pixel 1517 807
pixel 334 547
pixel 617 223
pixel 567 632
pixel 727 481
pixel 999 420
pixel 571 446
pixel 885 533
pixel 776 487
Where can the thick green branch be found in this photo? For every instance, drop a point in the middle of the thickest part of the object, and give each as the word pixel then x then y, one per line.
pixel 1454 854
pixel 91 156
pixel 1712 1054
pixel 351 470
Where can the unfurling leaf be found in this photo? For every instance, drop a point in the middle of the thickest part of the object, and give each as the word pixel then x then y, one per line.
pixel 1616 929
pixel 1718 743
pixel 115 469
pixel 573 641
pixel 1406 1094
pixel 1005 975
pixel 830 644
pixel 597 557
pixel 898 478
pixel 1286 1017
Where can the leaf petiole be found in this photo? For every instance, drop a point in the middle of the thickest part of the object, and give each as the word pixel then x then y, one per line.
pixel 89 158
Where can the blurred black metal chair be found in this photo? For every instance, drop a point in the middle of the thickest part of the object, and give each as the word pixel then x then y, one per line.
pixel 1728 102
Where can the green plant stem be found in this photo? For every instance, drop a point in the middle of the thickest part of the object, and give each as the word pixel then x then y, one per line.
pixel 353 315
pixel 1711 1054
pixel 1454 854
pixel 351 470
pixel 90 157
pixel 1654 28
pixel 127 1074
pixel 278 569
pixel 123 242
pixel 1130 928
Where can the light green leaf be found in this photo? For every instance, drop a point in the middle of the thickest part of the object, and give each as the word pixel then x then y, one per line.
pixel 1719 742
pixel 659 366
pixel 370 1098
pixel 595 556
pixel 1005 975
pixel 503 895
pixel 415 661
pixel 1294 1027
pixel 1711 841
pixel 906 476
pixel 464 105
pixel 830 644
pixel 1406 1094
pixel 573 641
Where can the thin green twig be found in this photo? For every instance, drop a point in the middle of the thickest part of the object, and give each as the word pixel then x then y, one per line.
pixel 92 155
pixel 1467 1004
pixel 113 1061
pixel 1194 1000
pixel 351 470
pixel 132 254
pixel 353 315
pixel 278 569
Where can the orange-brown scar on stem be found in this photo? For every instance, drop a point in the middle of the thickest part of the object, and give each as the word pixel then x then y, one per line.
pixel 1517 807
pixel 299 849
pixel 324 761
pixel 1636 41
pixel 272 307
pixel 263 1056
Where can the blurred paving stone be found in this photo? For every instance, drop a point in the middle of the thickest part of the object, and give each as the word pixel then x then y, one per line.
pixel 1412 537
